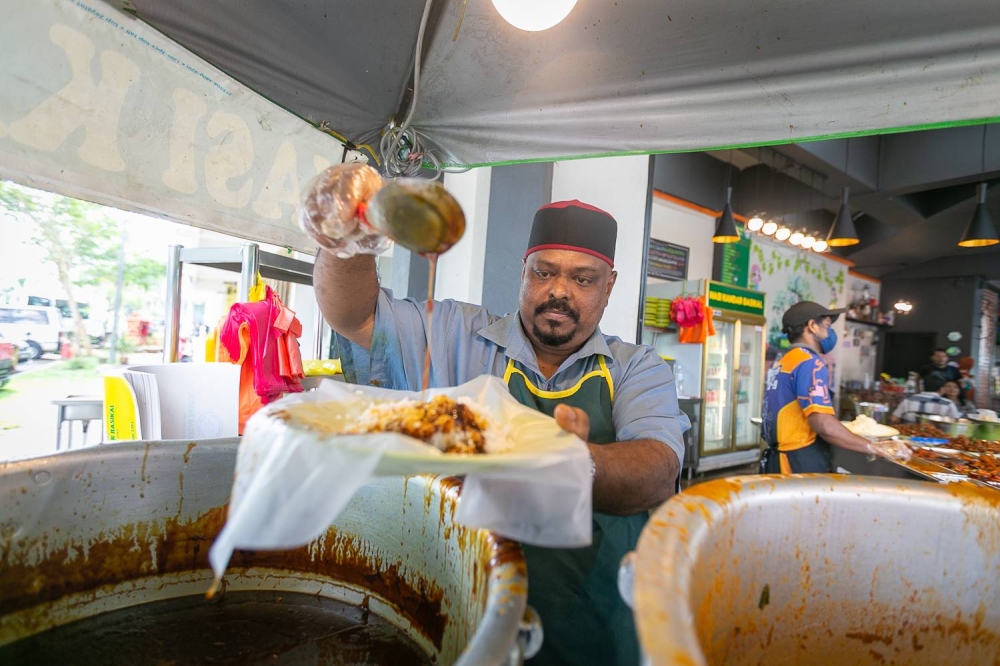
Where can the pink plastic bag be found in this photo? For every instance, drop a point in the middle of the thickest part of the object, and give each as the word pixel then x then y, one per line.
pixel 270 323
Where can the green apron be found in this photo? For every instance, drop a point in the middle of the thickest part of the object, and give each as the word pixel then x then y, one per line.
pixel 575 591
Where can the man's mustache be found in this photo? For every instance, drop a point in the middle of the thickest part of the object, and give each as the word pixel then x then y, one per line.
pixel 553 305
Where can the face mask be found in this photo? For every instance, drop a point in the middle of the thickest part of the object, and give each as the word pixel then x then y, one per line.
pixel 827 344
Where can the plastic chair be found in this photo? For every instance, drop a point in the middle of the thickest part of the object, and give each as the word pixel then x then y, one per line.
pixel 82 408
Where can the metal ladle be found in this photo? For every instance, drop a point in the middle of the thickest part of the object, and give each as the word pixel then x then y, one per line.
pixel 418 214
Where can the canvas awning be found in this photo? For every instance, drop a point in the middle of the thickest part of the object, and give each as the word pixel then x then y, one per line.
pixel 614 77
pixel 199 117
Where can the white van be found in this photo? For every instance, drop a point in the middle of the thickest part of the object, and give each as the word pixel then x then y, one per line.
pixel 37 325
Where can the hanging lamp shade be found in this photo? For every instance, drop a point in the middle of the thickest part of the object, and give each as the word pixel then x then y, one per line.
pixel 842 232
pixel 725 226
pixel 980 231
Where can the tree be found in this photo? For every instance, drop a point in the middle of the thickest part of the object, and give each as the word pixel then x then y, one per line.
pixel 81 242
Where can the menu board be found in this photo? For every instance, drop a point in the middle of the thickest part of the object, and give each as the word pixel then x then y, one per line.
pixel 732 261
pixel 666 261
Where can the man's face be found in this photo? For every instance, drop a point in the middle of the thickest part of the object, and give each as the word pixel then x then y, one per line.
pixel 939 358
pixel 563 296
pixel 950 390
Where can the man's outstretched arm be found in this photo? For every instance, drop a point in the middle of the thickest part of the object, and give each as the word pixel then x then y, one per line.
pixel 347 291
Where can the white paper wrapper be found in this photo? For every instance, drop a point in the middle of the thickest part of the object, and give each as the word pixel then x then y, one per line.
pixel 291 483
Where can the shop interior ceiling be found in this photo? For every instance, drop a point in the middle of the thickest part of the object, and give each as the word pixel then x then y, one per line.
pixel 614 77
pixel 912 195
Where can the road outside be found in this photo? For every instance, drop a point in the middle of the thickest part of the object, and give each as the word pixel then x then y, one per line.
pixel 27 415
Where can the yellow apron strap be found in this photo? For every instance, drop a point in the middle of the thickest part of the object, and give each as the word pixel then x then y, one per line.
pixel 560 395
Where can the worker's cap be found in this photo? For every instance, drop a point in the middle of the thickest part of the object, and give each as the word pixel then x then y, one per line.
pixel 574 225
pixel 804 311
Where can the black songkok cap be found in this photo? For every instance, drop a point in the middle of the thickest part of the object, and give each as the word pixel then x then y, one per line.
pixel 574 225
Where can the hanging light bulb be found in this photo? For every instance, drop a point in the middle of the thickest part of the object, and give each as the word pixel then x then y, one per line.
pixel 808 242
pixel 821 246
pixel 532 15
pixel 980 231
pixel 769 228
pixel 796 238
pixel 725 227
pixel 782 234
pixel 755 223
pixel 903 306
pixel 842 232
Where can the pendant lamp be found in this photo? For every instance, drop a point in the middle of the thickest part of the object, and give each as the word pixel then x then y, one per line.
pixel 534 16
pixel 842 233
pixel 980 231
pixel 782 234
pixel 725 226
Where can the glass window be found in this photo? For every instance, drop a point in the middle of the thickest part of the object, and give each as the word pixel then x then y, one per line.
pixel 31 317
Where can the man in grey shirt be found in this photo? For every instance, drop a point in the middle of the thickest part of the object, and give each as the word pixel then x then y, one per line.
pixel 618 397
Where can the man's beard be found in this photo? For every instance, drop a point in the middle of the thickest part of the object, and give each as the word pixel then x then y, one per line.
pixel 551 339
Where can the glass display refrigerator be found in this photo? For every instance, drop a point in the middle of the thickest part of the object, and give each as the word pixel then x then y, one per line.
pixel 722 379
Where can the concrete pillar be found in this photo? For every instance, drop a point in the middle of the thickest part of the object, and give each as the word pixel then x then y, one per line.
pixel 460 270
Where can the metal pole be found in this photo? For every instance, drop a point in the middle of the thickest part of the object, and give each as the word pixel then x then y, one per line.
pixel 116 309
pixel 172 324
pixel 320 330
pixel 248 273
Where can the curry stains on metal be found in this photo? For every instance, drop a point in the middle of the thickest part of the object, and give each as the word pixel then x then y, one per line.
pixel 145 549
pixel 59 567
pixel 863 570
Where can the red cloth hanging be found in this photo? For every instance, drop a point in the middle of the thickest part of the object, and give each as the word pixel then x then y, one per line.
pixel 269 343
pixel 686 311
pixel 700 331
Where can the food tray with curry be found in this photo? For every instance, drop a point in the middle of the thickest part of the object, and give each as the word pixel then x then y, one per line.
pixel 949 459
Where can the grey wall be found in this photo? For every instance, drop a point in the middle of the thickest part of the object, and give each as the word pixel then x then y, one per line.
pixel 408 277
pixel 516 192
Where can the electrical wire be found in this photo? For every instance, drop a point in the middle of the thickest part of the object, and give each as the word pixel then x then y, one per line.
pixel 403 153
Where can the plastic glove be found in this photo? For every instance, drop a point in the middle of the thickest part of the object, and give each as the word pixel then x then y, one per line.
pixel 333 210
pixel 890 448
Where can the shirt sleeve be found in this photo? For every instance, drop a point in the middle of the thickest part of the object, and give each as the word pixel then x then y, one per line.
pixel 645 405
pixel 954 412
pixel 397 346
pixel 902 408
pixel 395 359
pixel 812 387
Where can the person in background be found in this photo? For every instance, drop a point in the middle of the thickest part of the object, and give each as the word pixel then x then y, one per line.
pixel 966 384
pixel 799 424
pixel 939 366
pixel 952 391
pixel 929 401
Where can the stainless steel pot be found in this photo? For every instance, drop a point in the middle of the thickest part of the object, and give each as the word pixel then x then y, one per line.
pixel 950 428
pixel 821 569
pixel 95 530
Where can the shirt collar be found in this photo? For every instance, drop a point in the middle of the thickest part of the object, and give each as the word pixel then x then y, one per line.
pixel 507 333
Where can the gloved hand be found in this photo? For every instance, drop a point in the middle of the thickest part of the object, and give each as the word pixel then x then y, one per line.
pixel 333 210
pixel 890 448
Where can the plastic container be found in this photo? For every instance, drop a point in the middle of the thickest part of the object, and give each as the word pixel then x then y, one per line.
pixel 820 569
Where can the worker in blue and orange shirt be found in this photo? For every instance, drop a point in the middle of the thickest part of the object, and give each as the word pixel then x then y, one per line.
pixel 799 422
